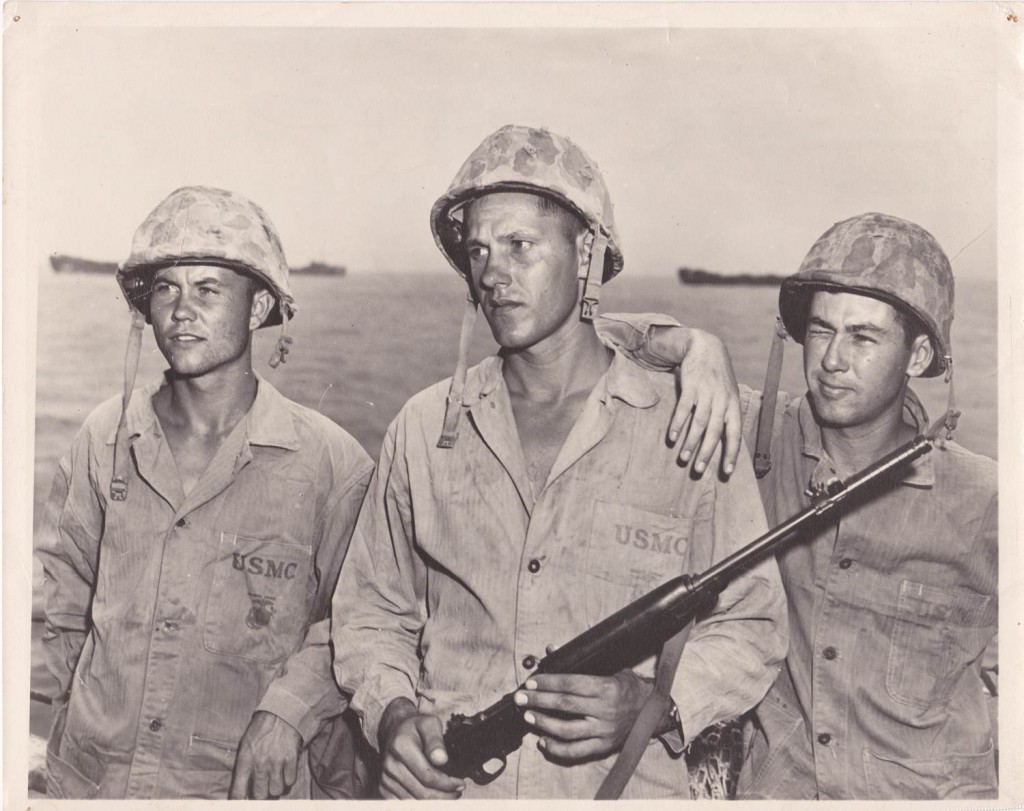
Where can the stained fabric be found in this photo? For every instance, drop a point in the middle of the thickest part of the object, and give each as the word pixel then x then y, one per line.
pixel 170 619
pixel 460 575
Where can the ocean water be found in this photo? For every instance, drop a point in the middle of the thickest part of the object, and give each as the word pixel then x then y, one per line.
pixel 365 343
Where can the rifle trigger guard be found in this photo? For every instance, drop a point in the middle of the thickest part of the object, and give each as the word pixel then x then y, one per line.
pixel 482 777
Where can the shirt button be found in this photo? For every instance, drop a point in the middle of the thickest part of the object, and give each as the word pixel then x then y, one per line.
pixel 829 653
pixel 181 523
pixel 529 662
pixel 824 738
pixel 156 724
pixel 533 566
pixel 845 563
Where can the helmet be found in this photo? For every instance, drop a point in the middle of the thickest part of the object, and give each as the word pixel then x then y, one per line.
pixel 883 257
pixel 524 159
pixel 199 225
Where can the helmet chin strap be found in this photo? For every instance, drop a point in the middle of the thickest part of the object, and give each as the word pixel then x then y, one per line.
pixel 591 302
pixel 119 480
pixel 952 415
pixel 453 403
pixel 284 343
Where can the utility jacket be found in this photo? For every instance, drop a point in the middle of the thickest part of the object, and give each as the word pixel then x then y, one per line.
pixel 170 619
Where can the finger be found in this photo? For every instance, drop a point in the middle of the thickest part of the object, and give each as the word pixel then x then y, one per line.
pixel 275 784
pixel 695 431
pixel 681 415
pixel 557 702
pixel 260 783
pixel 243 770
pixel 432 739
pixel 390 788
pixel 712 436
pixel 574 683
pixel 405 780
pixel 291 772
pixel 564 729
pixel 412 759
pixel 574 750
pixel 733 436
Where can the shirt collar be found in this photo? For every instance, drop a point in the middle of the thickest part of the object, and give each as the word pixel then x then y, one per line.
pixel 921 473
pixel 624 380
pixel 270 420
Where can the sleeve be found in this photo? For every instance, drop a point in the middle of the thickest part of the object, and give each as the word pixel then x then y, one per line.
pixel 379 606
pixel 304 693
pixel 68 549
pixel 629 333
pixel 734 654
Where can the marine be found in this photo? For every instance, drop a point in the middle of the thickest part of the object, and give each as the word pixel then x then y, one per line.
pixel 490 526
pixel 193 537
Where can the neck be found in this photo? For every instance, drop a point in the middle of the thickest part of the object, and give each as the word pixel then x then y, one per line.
pixel 570 361
pixel 854 448
pixel 211 404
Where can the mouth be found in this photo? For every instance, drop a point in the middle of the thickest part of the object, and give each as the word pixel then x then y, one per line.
pixel 830 391
pixel 185 338
pixel 503 304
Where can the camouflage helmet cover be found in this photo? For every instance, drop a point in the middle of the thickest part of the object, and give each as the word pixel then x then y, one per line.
pixel 199 225
pixel 883 257
pixel 525 159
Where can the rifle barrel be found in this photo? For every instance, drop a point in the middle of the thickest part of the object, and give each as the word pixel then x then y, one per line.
pixel 725 569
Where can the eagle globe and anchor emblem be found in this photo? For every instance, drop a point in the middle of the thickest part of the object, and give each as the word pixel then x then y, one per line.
pixel 262 611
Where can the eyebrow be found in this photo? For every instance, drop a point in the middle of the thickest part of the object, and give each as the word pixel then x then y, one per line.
pixel 162 277
pixel 867 327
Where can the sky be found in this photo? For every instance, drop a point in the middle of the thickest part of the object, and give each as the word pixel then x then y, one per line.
pixel 724 149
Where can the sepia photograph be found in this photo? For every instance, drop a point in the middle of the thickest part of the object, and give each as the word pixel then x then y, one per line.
pixel 511 401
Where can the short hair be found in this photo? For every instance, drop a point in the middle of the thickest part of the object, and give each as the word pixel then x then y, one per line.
pixel 572 223
pixel 911 326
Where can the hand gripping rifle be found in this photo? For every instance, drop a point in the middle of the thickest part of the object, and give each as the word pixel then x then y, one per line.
pixel 639 629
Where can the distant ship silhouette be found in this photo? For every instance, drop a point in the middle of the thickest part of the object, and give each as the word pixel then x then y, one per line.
pixel 698 277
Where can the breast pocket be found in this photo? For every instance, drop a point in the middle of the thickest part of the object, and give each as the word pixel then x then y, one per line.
pixel 257 604
pixel 937 634
pixel 629 552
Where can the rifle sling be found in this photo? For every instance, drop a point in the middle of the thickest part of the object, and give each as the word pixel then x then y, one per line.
pixel 646 722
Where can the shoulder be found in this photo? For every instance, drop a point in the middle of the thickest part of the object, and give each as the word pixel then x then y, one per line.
pixel 100 427
pixel 335 446
pixel 972 474
pixel 425 409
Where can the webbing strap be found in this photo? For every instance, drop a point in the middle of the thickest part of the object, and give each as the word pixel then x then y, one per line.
pixel 119 479
pixel 595 276
pixel 283 345
pixel 453 403
pixel 646 722
pixel 769 396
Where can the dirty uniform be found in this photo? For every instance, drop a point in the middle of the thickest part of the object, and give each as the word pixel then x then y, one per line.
pixel 170 619
pixel 460 574
pixel 890 610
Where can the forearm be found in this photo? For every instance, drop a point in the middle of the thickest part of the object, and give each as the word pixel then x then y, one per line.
pixel 304 694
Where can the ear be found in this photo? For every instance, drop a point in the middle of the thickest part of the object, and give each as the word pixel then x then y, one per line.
pixel 921 354
pixel 262 304
pixel 584 245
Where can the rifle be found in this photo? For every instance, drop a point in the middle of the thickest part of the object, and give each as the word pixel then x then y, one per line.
pixel 631 633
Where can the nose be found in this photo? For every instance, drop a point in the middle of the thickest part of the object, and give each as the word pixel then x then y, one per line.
pixel 183 309
pixel 495 271
pixel 834 359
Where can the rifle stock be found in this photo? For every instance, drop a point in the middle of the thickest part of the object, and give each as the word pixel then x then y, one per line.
pixel 638 630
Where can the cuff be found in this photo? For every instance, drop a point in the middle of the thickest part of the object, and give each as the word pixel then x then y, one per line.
pixel 291 709
pixel 630 331
pixel 370 709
